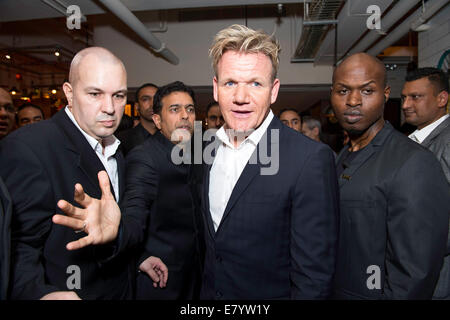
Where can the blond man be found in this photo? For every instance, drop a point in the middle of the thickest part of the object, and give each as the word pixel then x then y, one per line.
pixel 270 235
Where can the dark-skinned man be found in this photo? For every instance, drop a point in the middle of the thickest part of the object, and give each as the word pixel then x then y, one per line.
pixel 394 196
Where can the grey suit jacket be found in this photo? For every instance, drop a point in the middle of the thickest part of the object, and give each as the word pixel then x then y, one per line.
pixel 438 142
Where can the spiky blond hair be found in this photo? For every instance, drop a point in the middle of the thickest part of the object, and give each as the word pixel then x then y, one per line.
pixel 245 40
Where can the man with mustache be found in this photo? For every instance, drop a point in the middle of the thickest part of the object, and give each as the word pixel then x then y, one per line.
pixel 40 164
pixel 161 198
pixel 394 196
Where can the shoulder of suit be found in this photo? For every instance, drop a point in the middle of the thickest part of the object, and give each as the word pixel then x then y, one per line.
pixel 399 147
pixel 40 132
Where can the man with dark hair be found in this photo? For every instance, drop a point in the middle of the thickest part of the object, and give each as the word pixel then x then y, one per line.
pixel 144 104
pixel 424 104
pixel 164 192
pixel 214 118
pixel 7 112
pixel 394 197
pixel 29 113
pixel 311 128
pixel 291 118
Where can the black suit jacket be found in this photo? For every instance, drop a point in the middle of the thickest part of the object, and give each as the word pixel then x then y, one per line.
pixel 394 215
pixel 162 217
pixel 40 164
pixel 132 137
pixel 278 235
pixel 5 239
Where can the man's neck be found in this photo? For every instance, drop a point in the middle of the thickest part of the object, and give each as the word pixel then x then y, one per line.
pixel 148 125
pixel 359 142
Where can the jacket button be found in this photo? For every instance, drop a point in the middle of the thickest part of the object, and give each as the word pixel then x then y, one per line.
pixel 219 294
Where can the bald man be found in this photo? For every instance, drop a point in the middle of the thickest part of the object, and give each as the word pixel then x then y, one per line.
pixel 7 113
pixel 41 164
pixel 394 196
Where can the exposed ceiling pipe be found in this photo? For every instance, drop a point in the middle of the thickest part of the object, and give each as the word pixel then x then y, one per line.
pixel 124 14
pixel 432 6
pixel 398 11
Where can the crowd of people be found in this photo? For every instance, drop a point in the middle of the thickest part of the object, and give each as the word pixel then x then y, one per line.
pixel 89 214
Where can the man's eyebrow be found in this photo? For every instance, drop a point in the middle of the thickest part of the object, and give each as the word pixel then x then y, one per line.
pixel 367 83
pixel 179 105
pixel 349 86
pixel 93 89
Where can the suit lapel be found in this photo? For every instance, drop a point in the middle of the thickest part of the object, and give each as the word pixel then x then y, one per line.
pixel 429 140
pixel 88 162
pixel 208 218
pixel 121 174
pixel 250 171
pixel 247 175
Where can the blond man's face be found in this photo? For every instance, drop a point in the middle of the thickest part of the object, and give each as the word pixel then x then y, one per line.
pixel 244 89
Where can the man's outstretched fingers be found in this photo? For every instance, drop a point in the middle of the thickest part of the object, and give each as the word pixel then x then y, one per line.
pixel 80 196
pixel 80 243
pixel 71 210
pixel 73 223
pixel 103 181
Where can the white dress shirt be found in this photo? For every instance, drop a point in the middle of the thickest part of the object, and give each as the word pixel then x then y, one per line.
pixel 227 167
pixel 420 135
pixel 107 158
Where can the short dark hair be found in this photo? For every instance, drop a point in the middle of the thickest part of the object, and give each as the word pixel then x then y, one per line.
pixel 176 86
pixel 210 105
pixel 289 109
pixel 28 105
pixel 145 85
pixel 437 77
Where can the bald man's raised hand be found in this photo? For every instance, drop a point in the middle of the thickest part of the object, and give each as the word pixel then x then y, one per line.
pixel 99 218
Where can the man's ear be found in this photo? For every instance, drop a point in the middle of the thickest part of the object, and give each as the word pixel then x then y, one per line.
pixel 442 99
pixel 316 131
pixel 157 120
pixel 274 91
pixel 387 92
pixel 215 84
pixel 68 91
